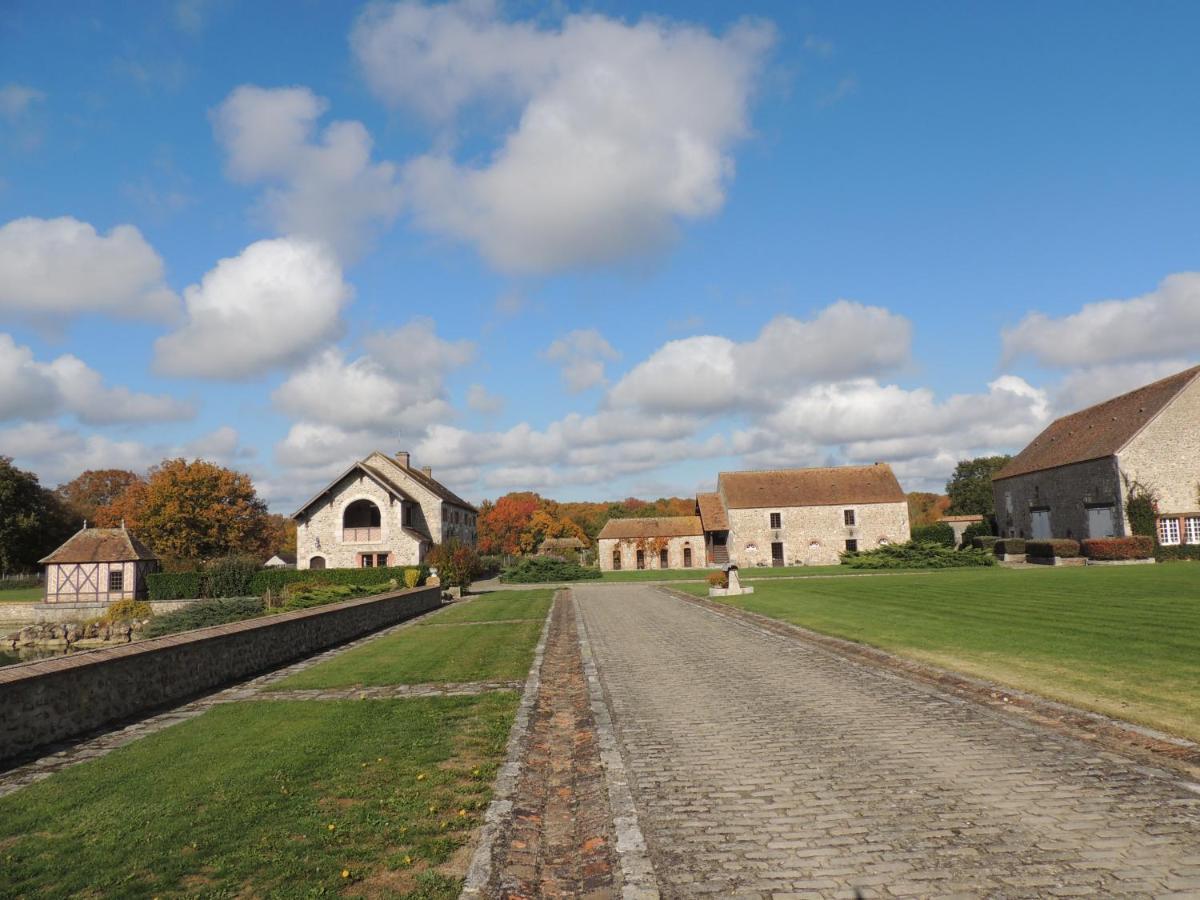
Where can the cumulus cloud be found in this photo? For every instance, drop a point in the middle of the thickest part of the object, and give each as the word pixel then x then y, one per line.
pixel 268 307
pixel 1086 386
pixel 581 356
pixel 321 186
pixel 481 400
pixel 1161 324
pixel 66 385
pixel 416 350
pixel 51 269
pixel 624 130
pixel 709 374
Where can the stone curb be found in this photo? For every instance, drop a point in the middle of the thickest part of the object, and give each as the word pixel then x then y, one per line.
pixel 638 881
pixel 479 873
pixel 1175 756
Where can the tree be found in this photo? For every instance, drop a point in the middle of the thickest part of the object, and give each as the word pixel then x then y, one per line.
pixel 281 535
pixel 194 511
pixel 970 487
pixel 457 563
pixel 926 508
pixel 33 521
pixel 500 524
pixel 94 489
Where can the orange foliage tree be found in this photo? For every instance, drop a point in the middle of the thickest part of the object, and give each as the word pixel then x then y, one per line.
pixel 95 488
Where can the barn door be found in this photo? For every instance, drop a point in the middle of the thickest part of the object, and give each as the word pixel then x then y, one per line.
pixel 1041 524
pixel 1101 522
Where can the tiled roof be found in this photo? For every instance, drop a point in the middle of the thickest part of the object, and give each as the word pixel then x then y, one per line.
pixel 100 545
pixel 562 543
pixel 666 526
pixel 712 512
pixel 810 487
pixel 1098 431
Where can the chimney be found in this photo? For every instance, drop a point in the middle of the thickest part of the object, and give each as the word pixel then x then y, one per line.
pixel 428 470
pixel 402 458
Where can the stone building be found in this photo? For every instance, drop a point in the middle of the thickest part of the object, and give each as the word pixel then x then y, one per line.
pixel 99 565
pixel 1072 480
pixel 668 542
pixel 380 512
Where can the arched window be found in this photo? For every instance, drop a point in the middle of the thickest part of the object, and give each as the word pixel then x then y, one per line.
pixel 317 562
pixel 360 522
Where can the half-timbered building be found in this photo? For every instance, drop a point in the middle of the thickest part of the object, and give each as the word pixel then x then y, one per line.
pixel 99 565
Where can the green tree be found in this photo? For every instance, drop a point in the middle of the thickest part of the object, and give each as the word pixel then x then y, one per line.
pixel 32 519
pixel 970 487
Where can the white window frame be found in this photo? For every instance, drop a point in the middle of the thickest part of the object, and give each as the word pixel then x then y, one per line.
pixel 1191 529
pixel 1168 532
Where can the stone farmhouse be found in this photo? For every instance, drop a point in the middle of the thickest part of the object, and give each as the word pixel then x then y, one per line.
pixel 1072 480
pixel 771 518
pixel 99 565
pixel 380 512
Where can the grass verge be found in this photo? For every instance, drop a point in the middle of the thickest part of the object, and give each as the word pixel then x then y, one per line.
pixel 268 799
pixel 1124 641
pixel 491 607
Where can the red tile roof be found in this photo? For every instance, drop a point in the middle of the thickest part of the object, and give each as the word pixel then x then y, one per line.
pixel 712 512
pixel 1098 431
pixel 810 487
pixel 666 526
pixel 100 545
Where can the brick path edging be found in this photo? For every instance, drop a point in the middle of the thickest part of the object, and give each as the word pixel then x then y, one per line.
pixel 1176 755
pixel 480 870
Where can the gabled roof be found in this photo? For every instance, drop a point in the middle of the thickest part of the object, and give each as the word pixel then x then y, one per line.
pixel 100 545
pixel 374 474
pixel 810 487
pixel 1098 431
pixel 428 482
pixel 712 512
pixel 665 526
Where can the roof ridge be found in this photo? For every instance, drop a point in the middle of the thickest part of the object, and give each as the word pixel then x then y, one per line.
pixel 1194 370
pixel 798 469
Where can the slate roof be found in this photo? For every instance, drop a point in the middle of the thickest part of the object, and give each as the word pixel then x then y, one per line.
pixel 712 512
pixel 1098 431
pixel 665 526
pixel 833 486
pixel 100 545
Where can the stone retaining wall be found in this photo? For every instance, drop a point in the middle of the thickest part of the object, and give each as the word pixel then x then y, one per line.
pixel 55 699
pixel 36 613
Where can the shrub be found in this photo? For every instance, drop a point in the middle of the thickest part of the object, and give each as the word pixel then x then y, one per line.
pixel 275 580
pixel 915 555
pixel 457 563
pixel 174 585
pixel 976 530
pixel 490 565
pixel 718 580
pixel 1009 547
pixel 411 577
pixel 317 594
pixel 1064 548
pixel 1178 553
pixel 937 533
pixel 1141 508
pixel 229 576
pixel 985 542
pixel 126 611
pixel 538 569
pixel 1136 547
pixel 204 614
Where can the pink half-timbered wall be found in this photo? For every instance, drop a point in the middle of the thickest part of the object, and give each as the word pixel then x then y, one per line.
pixel 89 582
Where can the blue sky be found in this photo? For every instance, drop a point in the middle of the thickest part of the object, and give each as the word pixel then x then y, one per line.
pixel 593 251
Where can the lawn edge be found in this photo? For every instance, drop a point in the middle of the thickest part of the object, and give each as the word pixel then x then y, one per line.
pixel 1174 754
pixel 504 788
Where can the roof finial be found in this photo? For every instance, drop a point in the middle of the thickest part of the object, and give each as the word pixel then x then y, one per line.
pixel 85 524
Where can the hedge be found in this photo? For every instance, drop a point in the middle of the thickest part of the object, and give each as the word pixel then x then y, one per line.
pixel 543 569
pixel 175 585
pixel 916 556
pixel 1179 552
pixel 1063 548
pixel 937 533
pixel 1137 547
pixel 985 542
pixel 977 530
pixel 1009 547
pixel 195 585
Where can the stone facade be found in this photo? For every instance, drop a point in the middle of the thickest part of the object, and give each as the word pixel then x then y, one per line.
pixel 813 535
pixel 676 547
pixel 1165 455
pixel 1064 495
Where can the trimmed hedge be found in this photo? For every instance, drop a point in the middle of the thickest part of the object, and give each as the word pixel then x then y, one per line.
pixel 201 615
pixel 175 585
pixel 1063 548
pixel 1178 553
pixel 1009 547
pixel 541 569
pixel 1137 547
pixel 985 542
pixel 917 556
pixel 937 533
pixel 197 585
pixel 976 530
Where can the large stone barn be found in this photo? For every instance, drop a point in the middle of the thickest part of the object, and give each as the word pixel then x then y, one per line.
pixel 1073 479
pixel 99 565
pixel 668 542
pixel 381 511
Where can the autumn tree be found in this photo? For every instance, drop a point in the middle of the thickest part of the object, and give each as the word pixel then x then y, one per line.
pixel 194 511
pixel 970 487
pixel 281 535
pixel 925 508
pixel 500 524
pixel 94 489
pixel 33 521
pixel 457 563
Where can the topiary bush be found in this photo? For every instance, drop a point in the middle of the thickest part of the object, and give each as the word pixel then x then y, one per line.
pixel 985 542
pixel 204 614
pixel 539 569
pixel 1009 547
pixel 937 533
pixel 915 555
pixel 1136 547
pixel 1063 548
pixel 976 530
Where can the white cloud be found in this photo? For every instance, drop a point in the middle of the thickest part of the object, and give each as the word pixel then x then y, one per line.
pixel 581 355
pixel 16 100
pixel 481 400
pixel 1084 387
pixel 1163 323
pixel 51 269
pixel 321 186
pixel 268 307
pixel 624 129
pixel 415 349
pixel 36 390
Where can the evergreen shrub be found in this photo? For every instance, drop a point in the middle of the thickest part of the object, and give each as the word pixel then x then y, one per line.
pixel 1063 548
pixel 937 533
pixel 915 555
pixel 539 569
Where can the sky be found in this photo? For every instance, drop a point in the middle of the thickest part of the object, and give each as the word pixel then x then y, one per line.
pixel 593 251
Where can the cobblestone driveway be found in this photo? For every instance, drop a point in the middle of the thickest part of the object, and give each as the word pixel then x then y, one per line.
pixel 764 765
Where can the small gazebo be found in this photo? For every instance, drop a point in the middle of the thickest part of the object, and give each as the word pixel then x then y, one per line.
pixel 99 565
pixel 565 547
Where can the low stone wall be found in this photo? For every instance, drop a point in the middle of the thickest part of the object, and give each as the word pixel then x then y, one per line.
pixel 37 613
pixel 54 699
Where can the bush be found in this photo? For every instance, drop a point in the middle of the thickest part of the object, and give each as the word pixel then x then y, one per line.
pixel 309 594
pixel 937 533
pixel 204 614
pixel 1064 548
pixel 1009 547
pixel 229 576
pixel 174 585
pixel 976 530
pixel 457 563
pixel 276 580
pixel 411 577
pixel 915 555
pixel 539 569
pixel 718 580
pixel 490 565
pixel 985 542
pixel 1178 553
pixel 1136 547
pixel 126 611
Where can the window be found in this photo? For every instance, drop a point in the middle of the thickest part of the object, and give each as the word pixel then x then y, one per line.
pixel 116 581
pixel 851 544
pixel 1168 532
pixel 662 559
pixel 361 521
pixel 616 560
pixel 776 520
pixel 381 560
pixel 848 517
pixel 641 559
pixel 1191 527
pixel 366 560
pixel 687 554
pixel 407 507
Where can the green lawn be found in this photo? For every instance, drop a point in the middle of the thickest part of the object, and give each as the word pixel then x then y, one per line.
pixel 531 604
pixel 22 595
pixel 1124 640
pixel 267 799
pixel 754 573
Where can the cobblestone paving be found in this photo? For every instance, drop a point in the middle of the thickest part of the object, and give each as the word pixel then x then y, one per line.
pixel 766 766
